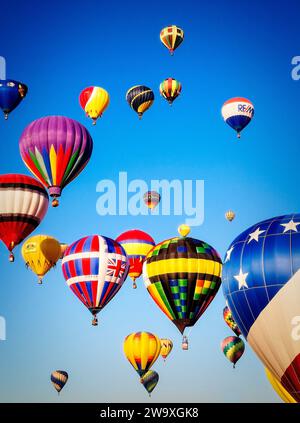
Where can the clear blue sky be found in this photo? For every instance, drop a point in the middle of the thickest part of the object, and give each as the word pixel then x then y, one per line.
pixel 231 48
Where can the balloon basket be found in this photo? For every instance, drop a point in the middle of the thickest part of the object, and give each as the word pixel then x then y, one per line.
pixel 55 202
pixel 11 258
pixel 95 321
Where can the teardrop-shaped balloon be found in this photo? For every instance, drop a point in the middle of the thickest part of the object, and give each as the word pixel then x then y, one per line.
pixel 24 203
pixel 166 347
pixel 55 149
pixel 184 230
pixel 40 253
pixel 230 215
pixel 11 94
pixel 150 380
pixel 95 268
pixel 140 98
pixel 151 199
pixel 170 89
pixel 237 113
pixel 59 378
pixel 171 37
pixel 94 101
pixel 233 348
pixel 141 350
pixel 229 320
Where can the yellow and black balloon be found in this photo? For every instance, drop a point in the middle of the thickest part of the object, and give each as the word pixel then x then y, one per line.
pixel 140 98
pixel 171 37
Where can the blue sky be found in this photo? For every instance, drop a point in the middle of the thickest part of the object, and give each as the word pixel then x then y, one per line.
pixel 231 48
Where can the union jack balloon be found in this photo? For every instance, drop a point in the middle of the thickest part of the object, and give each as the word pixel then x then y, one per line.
pixel 95 268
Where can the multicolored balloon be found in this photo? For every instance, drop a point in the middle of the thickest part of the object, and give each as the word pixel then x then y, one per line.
pixel 40 253
pixel 233 348
pixel 95 268
pixel 150 380
pixel 230 215
pixel 11 94
pixel 182 275
pixel 229 320
pixel 94 101
pixel 171 37
pixel 170 89
pixel 261 283
pixel 237 113
pixel 279 389
pixel 166 347
pixel 140 98
pixel 184 230
pixel 137 245
pixel 141 350
pixel 23 204
pixel 151 199
pixel 55 149
pixel 59 378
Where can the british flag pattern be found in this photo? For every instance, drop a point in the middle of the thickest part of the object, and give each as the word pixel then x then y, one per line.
pixel 95 268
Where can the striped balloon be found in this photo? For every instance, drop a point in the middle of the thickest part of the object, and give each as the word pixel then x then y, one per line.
pixel 95 268
pixel 137 245
pixel 170 89
pixel 237 113
pixel 233 348
pixel 150 380
pixel 23 204
pixel 182 275
pixel 140 98
pixel 151 199
pixel 94 101
pixel 55 149
pixel 142 350
pixel 229 320
pixel 59 378
pixel 171 37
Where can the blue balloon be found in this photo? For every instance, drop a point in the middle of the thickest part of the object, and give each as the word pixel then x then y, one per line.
pixel 11 94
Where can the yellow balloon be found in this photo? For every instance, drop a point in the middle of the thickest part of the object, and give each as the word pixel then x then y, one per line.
pixel 278 388
pixel 41 253
pixel 166 347
pixel 184 230
pixel 63 248
pixel 94 101
pixel 141 350
pixel 230 215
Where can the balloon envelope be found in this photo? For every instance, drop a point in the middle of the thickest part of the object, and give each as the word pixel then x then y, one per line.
pixel 261 283
pixel 166 347
pixel 11 94
pixel 150 380
pixel 140 98
pixel 170 89
pixel 229 320
pixel 237 113
pixel 171 37
pixel 94 101
pixel 279 389
pixel 59 378
pixel 233 348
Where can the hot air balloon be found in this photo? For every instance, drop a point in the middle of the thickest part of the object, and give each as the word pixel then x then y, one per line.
pixel 140 98
pixel 141 350
pixel 150 380
pixel 233 348
pixel 171 37
pixel 182 275
pixel 229 320
pixel 95 268
pixel 40 253
pixel 63 248
pixel 184 230
pixel 261 283
pixel 59 378
pixel 137 245
pixel 170 89
pixel 94 101
pixel 11 94
pixel 55 149
pixel 24 203
pixel 237 113
pixel 151 199
pixel 279 389
pixel 166 347
pixel 230 215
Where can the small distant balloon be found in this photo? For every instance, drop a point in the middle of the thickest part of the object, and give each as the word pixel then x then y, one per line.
pixel 151 199
pixel 140 98
pixel 238 113
pixel 233 348
pixel 229 320
pixel 150 380
pixel 59 378
pixel 166 347
pixel 184 230
pixel 170 89
pixel 11 94
pixel 230 215
pixel 94 101
pixel 171 37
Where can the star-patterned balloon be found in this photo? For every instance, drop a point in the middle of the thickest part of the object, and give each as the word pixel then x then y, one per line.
pixel 261 284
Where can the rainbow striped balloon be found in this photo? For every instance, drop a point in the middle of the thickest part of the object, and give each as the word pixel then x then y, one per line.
pixel 137 245
pixel 233 348
pixel 170 89
pixel 229 320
